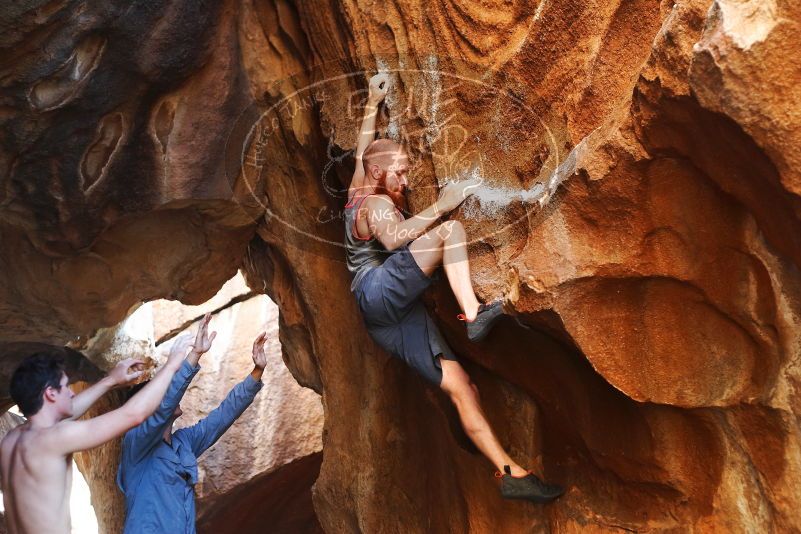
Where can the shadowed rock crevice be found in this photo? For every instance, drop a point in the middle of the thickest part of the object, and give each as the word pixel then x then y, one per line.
pixel 63 85
pixel 719 148
pixel 100 153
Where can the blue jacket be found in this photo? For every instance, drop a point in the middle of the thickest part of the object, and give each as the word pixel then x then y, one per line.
pixel 158 478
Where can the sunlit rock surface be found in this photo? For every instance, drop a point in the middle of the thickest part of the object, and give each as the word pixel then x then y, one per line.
pixel 653 356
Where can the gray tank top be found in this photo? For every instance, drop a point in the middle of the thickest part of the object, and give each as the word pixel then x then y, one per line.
pixel 362 254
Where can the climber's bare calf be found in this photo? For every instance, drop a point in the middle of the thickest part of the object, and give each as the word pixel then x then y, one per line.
pixel 36 457
pixel 464 394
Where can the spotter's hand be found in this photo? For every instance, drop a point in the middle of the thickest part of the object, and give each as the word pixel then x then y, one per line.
pixel 127 371
pixel 454 193
pixel 203 339
pixel 379 85
pixel 259 357
pixel 179 349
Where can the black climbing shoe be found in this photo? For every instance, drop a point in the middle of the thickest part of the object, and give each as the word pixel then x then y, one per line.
pixel 488 314
pixel 527 488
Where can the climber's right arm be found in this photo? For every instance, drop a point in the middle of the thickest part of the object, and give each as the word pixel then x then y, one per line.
pixel 379 85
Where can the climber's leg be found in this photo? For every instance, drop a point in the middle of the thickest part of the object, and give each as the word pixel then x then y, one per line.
pixel 446 245
pixel 464 394
pixel 516 482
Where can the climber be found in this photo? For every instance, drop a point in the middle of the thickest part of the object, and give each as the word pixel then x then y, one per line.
pixel 392 260
pixel 158 468
pixel 36 457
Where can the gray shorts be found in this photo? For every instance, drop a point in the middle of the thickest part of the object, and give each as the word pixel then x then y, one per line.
pixel 389 298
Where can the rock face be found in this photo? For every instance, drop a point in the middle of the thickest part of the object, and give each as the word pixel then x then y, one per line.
pixel 653 354
pixel 279 501
pixel 114 185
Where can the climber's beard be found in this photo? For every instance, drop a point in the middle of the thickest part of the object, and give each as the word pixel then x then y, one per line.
pixel 398 197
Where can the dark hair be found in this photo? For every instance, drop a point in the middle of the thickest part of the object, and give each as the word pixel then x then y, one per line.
pixel 36 373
